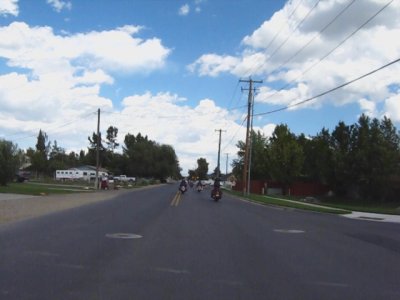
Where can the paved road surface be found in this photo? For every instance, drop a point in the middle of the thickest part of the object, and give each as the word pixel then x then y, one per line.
pixel 154 244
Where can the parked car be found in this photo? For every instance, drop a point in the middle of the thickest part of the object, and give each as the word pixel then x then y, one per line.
pixel 124 178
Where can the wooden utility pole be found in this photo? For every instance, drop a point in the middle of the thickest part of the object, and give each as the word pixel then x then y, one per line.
pixel 96 182
pixel 219 152
pixel 226 169
pixel 246 167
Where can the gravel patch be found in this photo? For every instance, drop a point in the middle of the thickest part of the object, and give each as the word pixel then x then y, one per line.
pixel 15 207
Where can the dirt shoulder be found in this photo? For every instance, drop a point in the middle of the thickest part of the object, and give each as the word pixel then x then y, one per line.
pixel 18 207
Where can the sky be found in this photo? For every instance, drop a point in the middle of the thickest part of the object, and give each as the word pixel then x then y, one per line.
pixel 178 71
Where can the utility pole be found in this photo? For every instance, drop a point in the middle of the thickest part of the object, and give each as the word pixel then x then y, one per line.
pixel 247 163
pixel 96 182
pixel 226 169
pixel 219 151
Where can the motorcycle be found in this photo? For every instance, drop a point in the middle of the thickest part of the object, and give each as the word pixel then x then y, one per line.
pixel 216 194
pixel 182 189
pixel 199 188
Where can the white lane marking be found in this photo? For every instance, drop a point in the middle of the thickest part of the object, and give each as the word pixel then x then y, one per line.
pixel 123 236
pixel 70 266
pixel 289 231
pixel 173 271
pixel 331 284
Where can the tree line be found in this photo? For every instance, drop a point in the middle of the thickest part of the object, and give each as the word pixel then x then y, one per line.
pixel 361 160
pixel 140 157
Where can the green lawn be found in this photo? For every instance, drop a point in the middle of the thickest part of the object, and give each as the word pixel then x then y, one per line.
pixel 327 205
pixel 28 188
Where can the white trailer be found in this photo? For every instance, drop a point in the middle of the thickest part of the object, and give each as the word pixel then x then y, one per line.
pixel 75 174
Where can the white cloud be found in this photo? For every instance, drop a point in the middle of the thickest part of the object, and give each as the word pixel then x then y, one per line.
pixel 213 65
pixel 9 7
pixel 184 10
pixel 284 59
pixel 368 107
pixel 392 108
pixel 56 79
pixel 268 130
pixel 165 119
pixel 59 5
pixel 111 50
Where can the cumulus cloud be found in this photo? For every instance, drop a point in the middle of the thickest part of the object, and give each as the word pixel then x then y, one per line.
pixel 56 79
pixel 111 50
pixel 392 107
pixel 310 56
pixel 57 73
pixel 59 5
pixel 184 10
pixel 9 7
pixel 164 118
pixel 213 65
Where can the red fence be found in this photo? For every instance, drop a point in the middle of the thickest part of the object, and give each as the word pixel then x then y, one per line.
pixel 298 188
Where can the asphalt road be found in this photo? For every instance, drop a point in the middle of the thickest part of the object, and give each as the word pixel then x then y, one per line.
pixel 154 244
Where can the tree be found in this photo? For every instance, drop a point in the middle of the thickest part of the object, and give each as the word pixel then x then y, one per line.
pixel 39 158
pixel 112 133
pixel 202 168
pixel 8 161
pixel 146 158
pixel 259 163
pixel 341 143
pixel 285 156
pixel 259 168
pixel 58 160
pixel 238 163
pixel 318 157
pixel 375 156
pixel 90 157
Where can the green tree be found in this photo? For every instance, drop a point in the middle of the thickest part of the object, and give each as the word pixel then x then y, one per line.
pixel 318 157
pixel 202 168
pixel 90 157
pixel 238 163
pixel 146 158
pixel 341 144
pixel 8 161
pixel 375 156
pixel 112 133
pixel 285 156
pixel 39 158
pixel 259 163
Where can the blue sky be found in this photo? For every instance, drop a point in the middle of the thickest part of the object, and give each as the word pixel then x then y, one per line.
pixel 170 69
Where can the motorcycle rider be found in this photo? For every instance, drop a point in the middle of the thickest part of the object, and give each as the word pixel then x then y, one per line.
pixel 183 184
pixel 217 185
pixel 199 185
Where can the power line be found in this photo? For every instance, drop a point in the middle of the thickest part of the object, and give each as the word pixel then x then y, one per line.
pixel 331 90
pixel 278 32
pixel 332 50
pixel 52 129
pixel 289 36
pixel 298 25
pixel 237 131
pixel 318 34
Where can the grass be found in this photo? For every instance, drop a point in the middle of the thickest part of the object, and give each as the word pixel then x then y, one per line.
pixel 298 205
pixel 326 205
pixel 354 205
pixel 28 188
pixel 50 187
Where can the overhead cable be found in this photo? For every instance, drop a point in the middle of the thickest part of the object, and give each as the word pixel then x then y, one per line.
pixel 52 129
pixel 332 50
pixel 329 91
